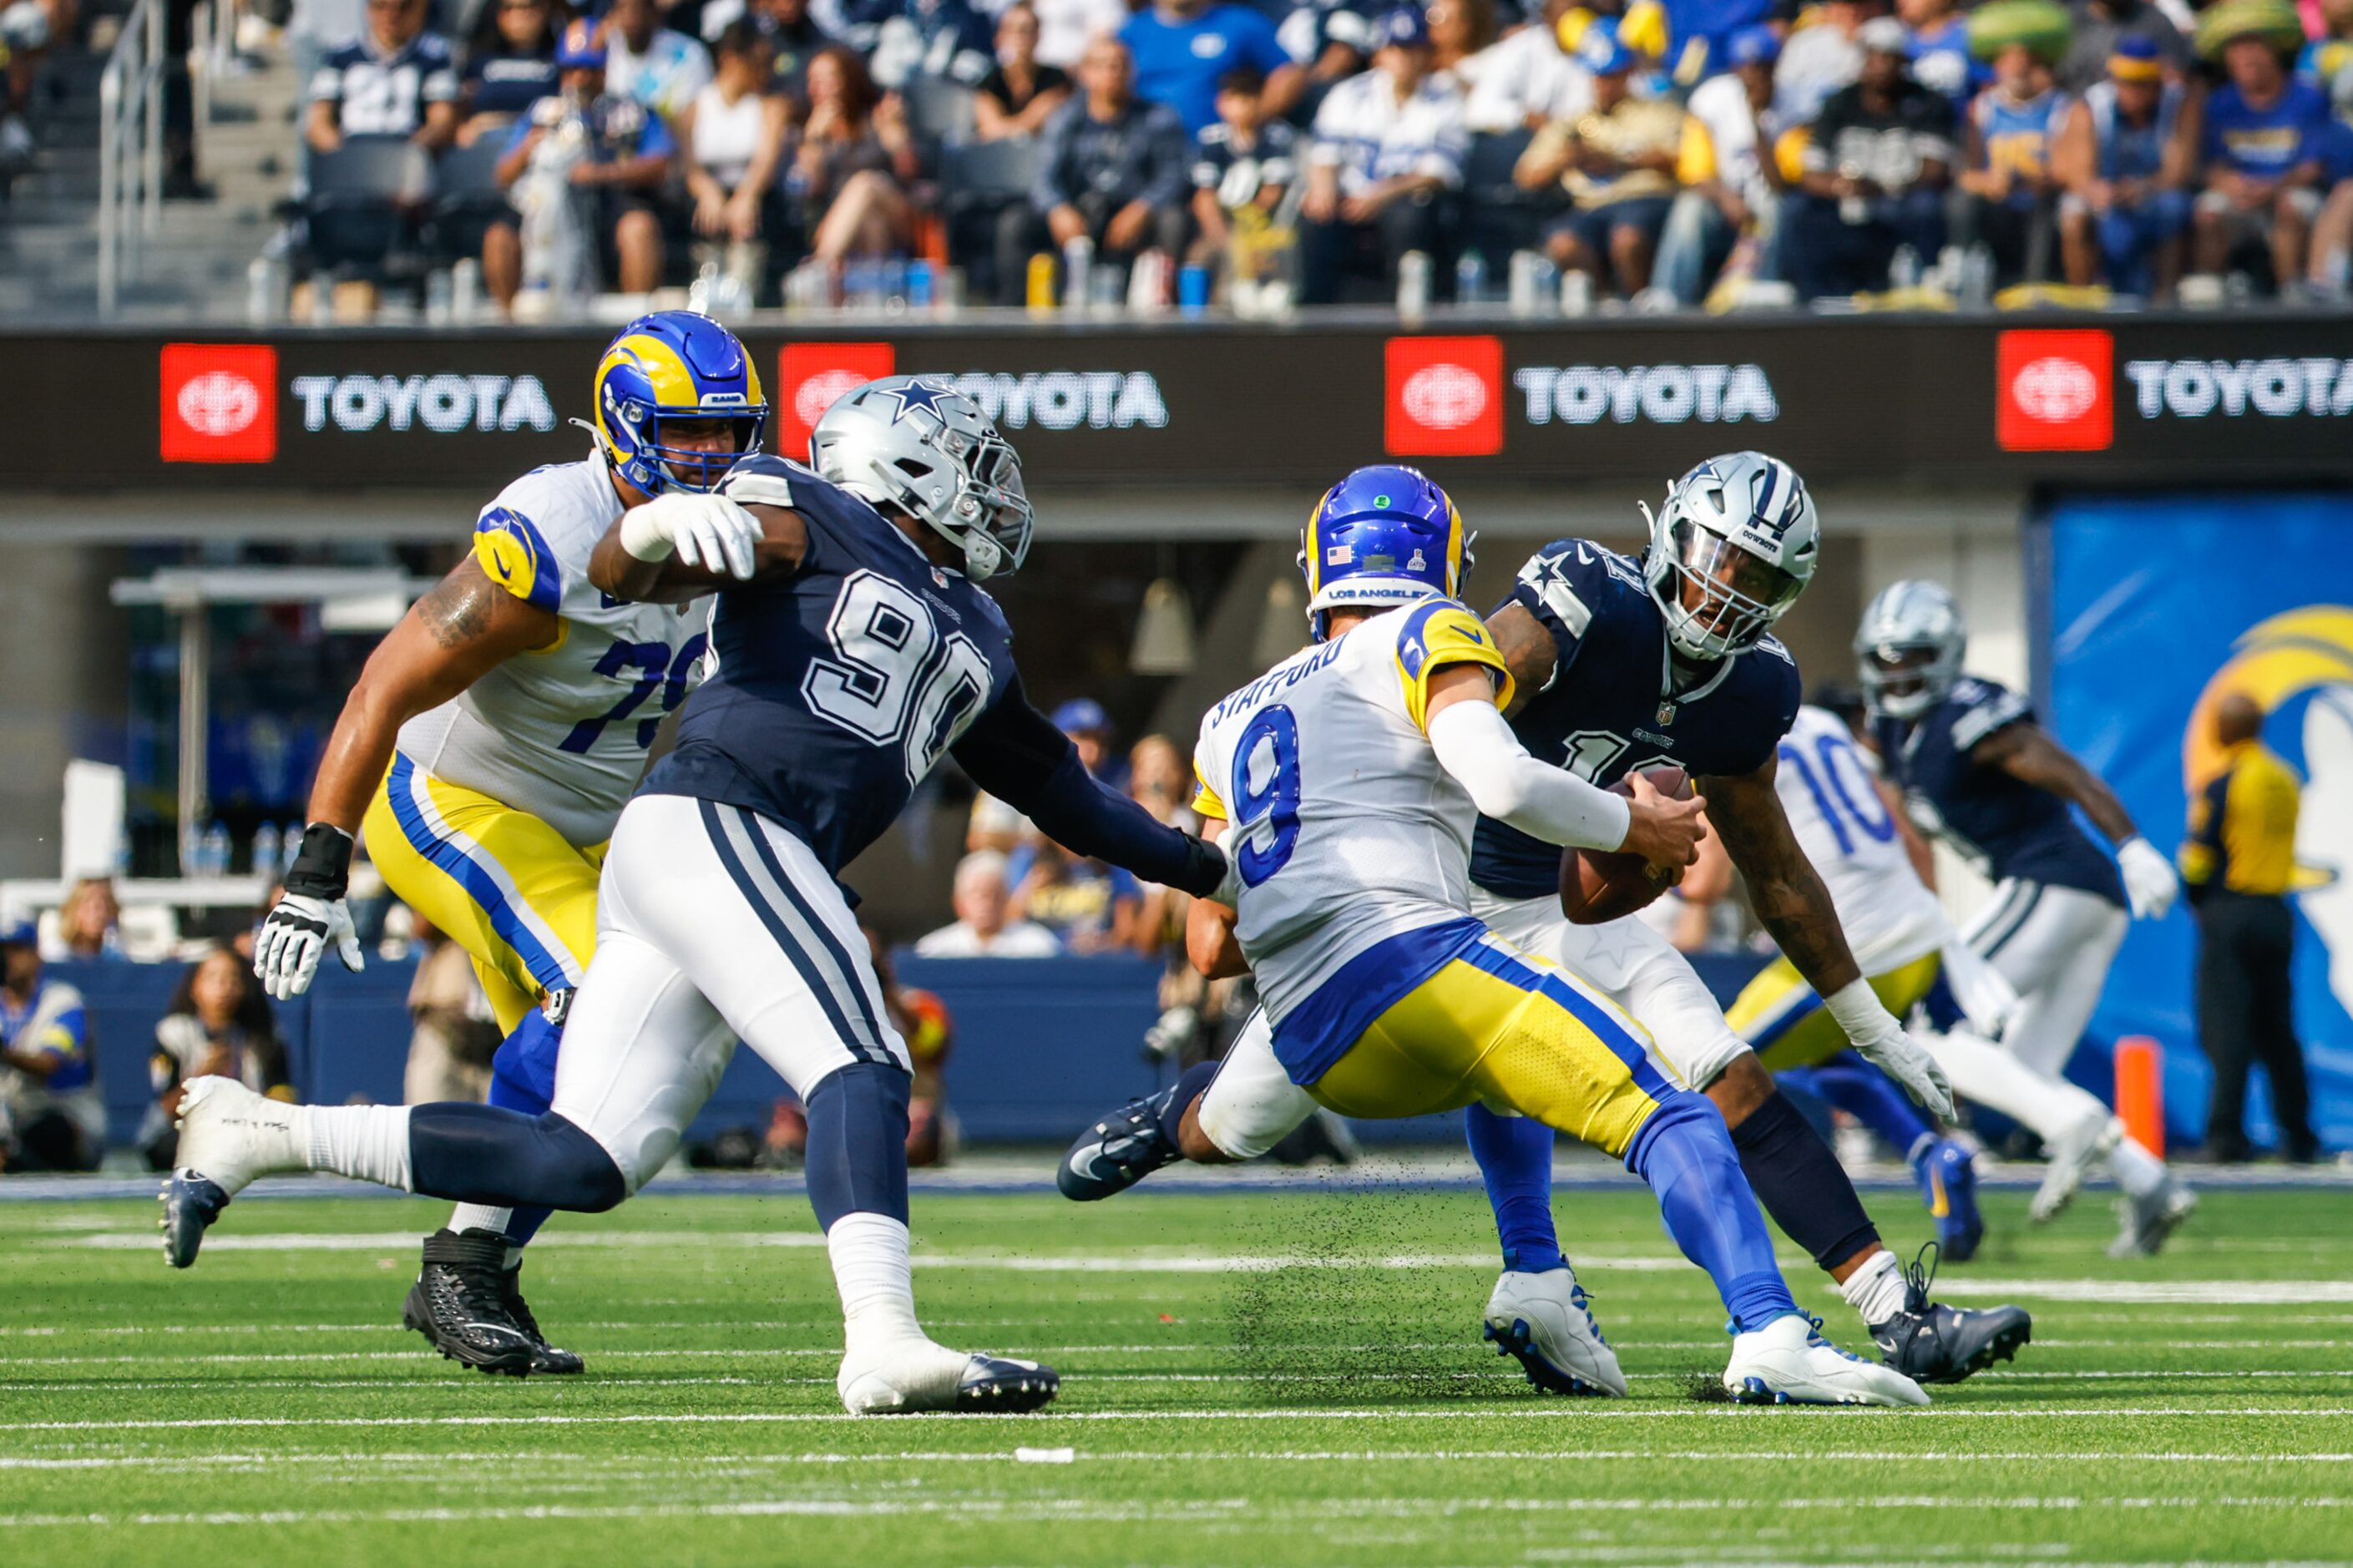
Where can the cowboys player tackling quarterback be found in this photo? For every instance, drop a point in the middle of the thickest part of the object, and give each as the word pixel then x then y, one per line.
pixel 1620 665
pixel 852 646
pixel 487 750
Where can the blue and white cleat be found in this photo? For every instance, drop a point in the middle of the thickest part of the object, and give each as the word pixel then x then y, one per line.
pixel 1949 1184
pixel 1545 1320
pixel 1787 1361
pixel 915 1375
pixel 228 1135
pixel 1118 1151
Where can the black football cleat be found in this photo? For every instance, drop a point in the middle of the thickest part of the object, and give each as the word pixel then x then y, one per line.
pixel 1118 1151
pixel 191 1203
pixel 1000 1386
pixel 547 1360
pixel 459 1304
pixel 1930 1343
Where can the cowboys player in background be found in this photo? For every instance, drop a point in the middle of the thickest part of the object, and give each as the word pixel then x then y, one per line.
pixel 852 646
pixel 1979 773
pixel 1621 665
pixel 486 753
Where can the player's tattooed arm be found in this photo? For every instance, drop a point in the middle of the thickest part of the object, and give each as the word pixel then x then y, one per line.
pixel 783 543
pixel 461 629
pixel 1528 651
pixel 2026 752
pixel 1783 887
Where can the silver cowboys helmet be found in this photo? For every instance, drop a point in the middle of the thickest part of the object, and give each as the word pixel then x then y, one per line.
pixel 1909 649
pixel 1731 549
pixel 916 443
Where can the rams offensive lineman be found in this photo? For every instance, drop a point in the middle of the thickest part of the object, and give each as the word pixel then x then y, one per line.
pixel 1979 773
pixel 1620 665
pixel 1346 783
pixel 852 646
pixel 487 750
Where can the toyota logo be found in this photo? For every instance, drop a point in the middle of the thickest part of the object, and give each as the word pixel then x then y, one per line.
pixel 218 402
pixel 822 391
pixel 2054 390
pixel 1444 396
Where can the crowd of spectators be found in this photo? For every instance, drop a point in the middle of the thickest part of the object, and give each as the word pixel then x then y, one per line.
pixel 1823 149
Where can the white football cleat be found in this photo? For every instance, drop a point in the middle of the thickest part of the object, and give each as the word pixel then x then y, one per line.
pixel 1787 1361
pixel 1543 1320
pixel 912 1376
pixel 2072 1155
pixel 228 1135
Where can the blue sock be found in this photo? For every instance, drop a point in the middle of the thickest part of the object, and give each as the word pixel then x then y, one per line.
pixel 1514 1155
pixel 1870 1097
pixel 1686 1155
pixel 1190 1086
pixel 857 1161
pixel 482 1154
pixel 522 1078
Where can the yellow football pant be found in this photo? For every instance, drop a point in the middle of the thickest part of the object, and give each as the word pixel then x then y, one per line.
pixel 1787 1025
pixel 1512 1031
pixel 520 900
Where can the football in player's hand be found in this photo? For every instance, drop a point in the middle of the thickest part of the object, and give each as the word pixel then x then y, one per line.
pixel 1601 885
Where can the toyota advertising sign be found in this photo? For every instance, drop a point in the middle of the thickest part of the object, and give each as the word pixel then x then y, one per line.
pixel 1932 403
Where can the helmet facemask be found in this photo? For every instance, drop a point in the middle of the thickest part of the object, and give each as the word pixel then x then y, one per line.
pixel 1903 680
pixel 1723 598
pixel 685 468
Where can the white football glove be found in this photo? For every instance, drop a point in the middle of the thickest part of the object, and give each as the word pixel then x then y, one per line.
pixel 706 531
pixel 1873 1032
pixel 295 936
pixel 2150 884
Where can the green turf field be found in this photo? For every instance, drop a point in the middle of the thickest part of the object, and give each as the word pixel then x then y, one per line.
pixel 1217 1407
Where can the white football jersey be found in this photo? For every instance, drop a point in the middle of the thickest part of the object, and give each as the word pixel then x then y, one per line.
pixel 1345 827
pixel 563 733
pixel 1829 792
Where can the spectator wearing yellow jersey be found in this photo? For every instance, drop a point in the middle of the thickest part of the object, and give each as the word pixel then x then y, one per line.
pixel 2238 865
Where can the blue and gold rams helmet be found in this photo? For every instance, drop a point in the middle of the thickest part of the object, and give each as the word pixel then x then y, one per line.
pixel 675 365
pixel 1385 535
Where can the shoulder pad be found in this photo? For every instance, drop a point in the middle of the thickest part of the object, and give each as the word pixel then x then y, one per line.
pixel 764 478
pixel 1773 646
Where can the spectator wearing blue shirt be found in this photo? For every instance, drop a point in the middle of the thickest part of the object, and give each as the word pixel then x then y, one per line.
pixel 1940 50
pixel 1112 169
pixel 396 79
pixel 2010 191
pixel 2264 137
pixel 51 1116
pixel 510 65
pixel 2127 154
pixel 626 157
pixel 1181 48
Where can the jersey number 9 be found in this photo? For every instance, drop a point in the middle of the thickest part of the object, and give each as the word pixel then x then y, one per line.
pixel 1266 794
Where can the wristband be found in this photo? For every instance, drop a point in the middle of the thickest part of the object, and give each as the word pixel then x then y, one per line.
pixel 322 869
pixel 643 537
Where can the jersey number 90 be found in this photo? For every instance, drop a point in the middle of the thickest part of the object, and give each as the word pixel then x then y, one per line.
pixel 894 678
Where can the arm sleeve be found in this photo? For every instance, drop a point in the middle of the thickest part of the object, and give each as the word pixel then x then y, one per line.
pixel 1477 747
pixel 514 554
pixel 1015 753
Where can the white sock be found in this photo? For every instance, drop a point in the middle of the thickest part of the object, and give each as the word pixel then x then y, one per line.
pixel 1875 1290
pixel 476 1217
pixel 876 1281
pixel 2138 1172
pixel 1997 1079
pixel 366 1142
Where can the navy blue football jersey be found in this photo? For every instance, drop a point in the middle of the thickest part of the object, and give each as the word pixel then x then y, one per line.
pixel 2005 826
pixel 832 690
pixel 1611 708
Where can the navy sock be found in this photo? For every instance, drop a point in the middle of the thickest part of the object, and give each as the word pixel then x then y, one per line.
pixel 1870 1097
pixel 1801 1184
pixel 1686 1155
pixel 481 1154
pixel 1190 1086
pixel 522 1078
pixel 857 1161
pixel 1514 1155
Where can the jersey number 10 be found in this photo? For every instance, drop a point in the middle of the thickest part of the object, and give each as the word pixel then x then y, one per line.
pixel 1839 760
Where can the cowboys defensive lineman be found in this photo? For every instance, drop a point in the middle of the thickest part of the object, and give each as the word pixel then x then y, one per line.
pixel 1979 773
pixel 1347 781
pixel 1621 665
pixel 487 750
pixel 852 646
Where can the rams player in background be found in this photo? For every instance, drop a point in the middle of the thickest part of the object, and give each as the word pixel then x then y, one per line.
pixel 1347 783
pixel 487 750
